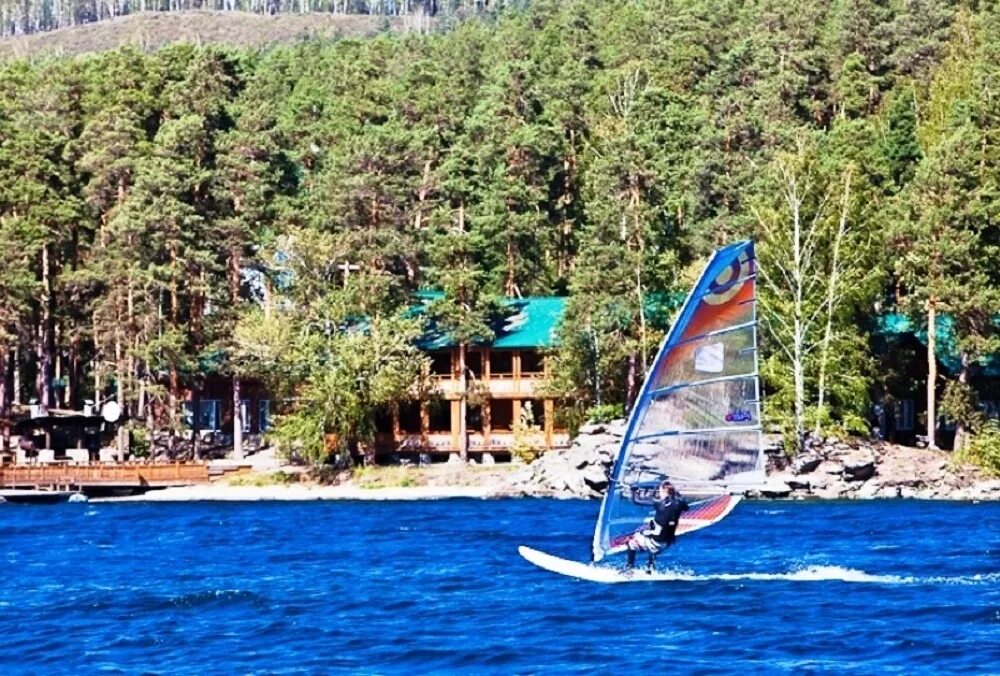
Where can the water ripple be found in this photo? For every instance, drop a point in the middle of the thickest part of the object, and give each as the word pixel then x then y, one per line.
pixel 437 587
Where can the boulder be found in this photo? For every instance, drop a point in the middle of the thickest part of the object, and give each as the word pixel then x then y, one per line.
pixel 806 463
pixel 869 489
pixel 617 428
pixel 593 441
pixel 819 481
pixel 775 489
pixel 828 492
pixel 831 467
pixel 592 429
pixel 859 469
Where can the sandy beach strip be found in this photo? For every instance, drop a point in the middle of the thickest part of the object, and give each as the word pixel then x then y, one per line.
pixel 304 492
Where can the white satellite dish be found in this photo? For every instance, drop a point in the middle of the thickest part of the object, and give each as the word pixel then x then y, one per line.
pixel 111 411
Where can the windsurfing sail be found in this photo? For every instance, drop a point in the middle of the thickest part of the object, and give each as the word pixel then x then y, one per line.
pixel 696 421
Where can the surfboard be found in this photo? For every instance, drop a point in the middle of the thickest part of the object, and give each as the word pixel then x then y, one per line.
pixel 581 571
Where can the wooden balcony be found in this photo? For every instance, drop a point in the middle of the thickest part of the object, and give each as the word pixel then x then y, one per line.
pixel 525 385
pixel 497 441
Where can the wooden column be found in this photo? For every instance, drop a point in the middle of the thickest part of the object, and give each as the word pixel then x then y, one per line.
pixel 456 423
pixel 487 414
pixel 549 408
pixel 486 404
pixel 394 415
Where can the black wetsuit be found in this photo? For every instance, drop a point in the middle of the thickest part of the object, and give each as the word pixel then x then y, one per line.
pixel 668 513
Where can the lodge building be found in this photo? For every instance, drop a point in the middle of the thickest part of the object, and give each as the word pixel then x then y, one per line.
pixel 506 376
pixel 900 399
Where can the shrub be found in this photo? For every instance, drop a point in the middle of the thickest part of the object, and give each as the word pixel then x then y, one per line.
pixel 983 449
pixel 605 413
pixel 527 442
pixel 278 478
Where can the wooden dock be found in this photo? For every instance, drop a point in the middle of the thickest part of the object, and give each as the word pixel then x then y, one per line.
pixel 25 496
pixel 102 479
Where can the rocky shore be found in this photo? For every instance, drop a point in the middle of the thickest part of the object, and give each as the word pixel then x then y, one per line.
pixel 829 468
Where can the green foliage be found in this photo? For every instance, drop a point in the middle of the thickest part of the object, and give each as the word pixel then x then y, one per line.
pixel 174 215
pixel 279 478
pixel 605 413
pixel 384 477
pixel 139 442
pixel 983 449
pixel 960 405
pixel 338 347
pixel 527 435
pixel 902 151
pixel 301 435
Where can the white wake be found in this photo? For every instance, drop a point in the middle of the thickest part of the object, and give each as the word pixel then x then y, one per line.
pixel 812 574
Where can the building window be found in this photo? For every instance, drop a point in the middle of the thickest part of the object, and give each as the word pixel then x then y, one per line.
pixel 245 414
pixel 502 415
pixel 440 418
pixel 208 417
pixel 383 420
pixel 474 419
pixel 991 408
pixel 409 417
pixel 501 362
pixel 905 415
pixel 533 413
pixel 474 363
pixel 531 362
pixel 441 363
pixel 263 415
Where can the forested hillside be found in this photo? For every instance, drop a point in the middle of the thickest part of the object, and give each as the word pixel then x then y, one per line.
pixel 200 209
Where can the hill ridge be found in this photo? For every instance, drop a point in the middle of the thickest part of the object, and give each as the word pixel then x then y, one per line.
pixel 153 30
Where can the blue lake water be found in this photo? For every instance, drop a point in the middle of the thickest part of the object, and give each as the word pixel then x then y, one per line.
pixel 419 587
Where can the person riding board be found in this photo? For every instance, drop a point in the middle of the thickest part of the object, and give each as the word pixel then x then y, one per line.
pixel 661 531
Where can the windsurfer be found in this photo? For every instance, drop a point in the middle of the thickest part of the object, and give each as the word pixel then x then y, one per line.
pixel 660 531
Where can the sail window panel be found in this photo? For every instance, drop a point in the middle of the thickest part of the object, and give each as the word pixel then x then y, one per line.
pixel 710 457
pixel 730 353
pixel 708 317
pixel 712 405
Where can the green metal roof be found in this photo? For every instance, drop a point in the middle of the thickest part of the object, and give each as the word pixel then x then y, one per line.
pixel 529 323
pixel 946 348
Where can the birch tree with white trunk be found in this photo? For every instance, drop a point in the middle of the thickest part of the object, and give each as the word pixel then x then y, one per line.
pixel 804 280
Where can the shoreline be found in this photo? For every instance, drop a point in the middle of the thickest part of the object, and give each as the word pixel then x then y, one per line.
pixel 303 493
pixel 345 492
pixel 830 469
